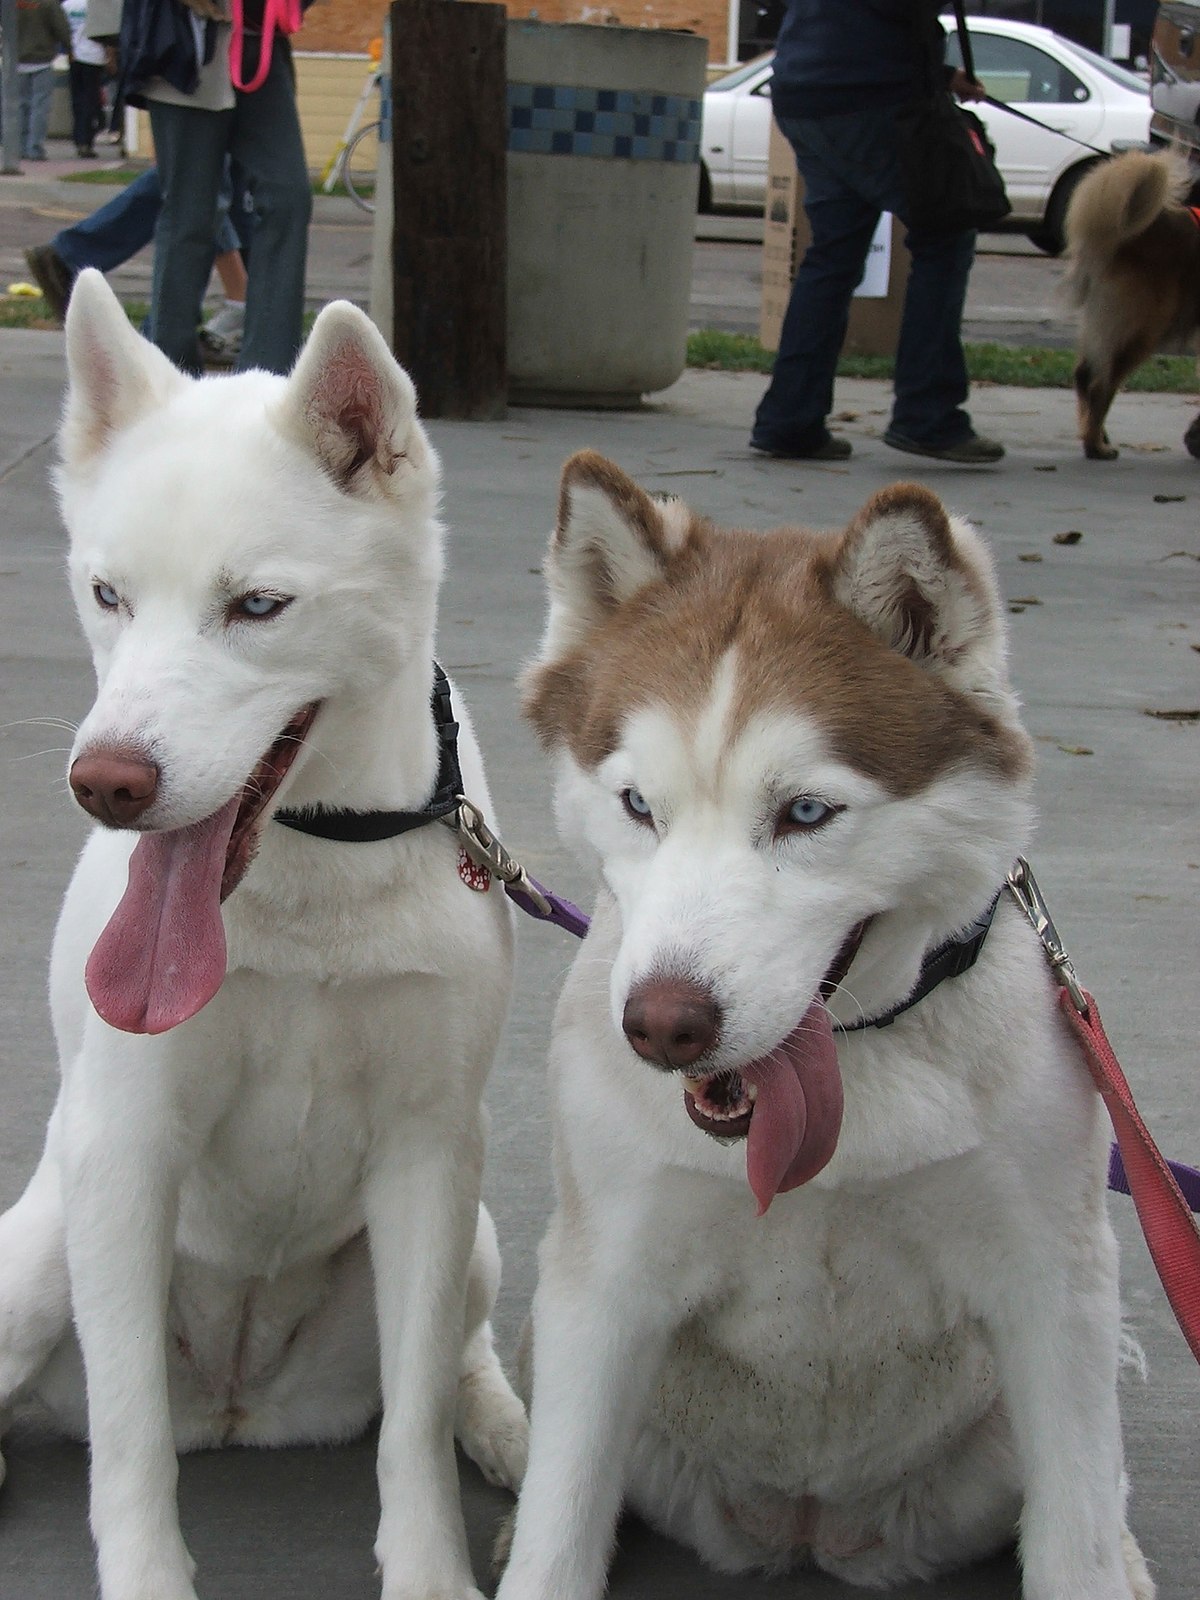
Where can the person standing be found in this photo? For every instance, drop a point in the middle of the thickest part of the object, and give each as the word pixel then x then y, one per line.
pixel 88 69
pixel 842 74
pixel 198 118
pixel 42 33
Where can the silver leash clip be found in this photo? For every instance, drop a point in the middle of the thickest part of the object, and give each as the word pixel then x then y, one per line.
pixel 1023 887
pixel 485 850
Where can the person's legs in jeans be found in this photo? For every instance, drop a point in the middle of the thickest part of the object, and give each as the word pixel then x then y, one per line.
pixel 37 91
pixel 191 145
pixel 931 369
pixel 117 230
pixel 268 146
pixel 791 415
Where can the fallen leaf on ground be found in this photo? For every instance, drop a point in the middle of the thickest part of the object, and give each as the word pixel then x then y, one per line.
pixel 1071 536
pixel 1024 600
pixel 1172 716
pixel 1076 750
pixel 1045 469
pixel 1168 499
pixel 1029 556
pixel 1148 449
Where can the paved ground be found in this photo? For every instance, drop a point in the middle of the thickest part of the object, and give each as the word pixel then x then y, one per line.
pixel 1106 637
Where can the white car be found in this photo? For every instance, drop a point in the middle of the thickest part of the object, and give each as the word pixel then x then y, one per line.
pixel 1061 83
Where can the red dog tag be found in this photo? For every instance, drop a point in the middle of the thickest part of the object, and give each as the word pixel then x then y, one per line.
pixel 474 876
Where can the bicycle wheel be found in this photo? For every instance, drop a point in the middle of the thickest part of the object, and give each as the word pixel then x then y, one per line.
pixel 358 166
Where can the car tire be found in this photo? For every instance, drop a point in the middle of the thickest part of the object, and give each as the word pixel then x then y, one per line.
pixel 1051 235
pixel 705 201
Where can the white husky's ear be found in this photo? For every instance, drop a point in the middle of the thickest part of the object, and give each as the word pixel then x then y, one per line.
pixel 114 375
pixel 925 585
pixel 352 405
pixel 611 539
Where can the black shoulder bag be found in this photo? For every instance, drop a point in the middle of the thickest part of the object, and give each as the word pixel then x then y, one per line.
pixel 946 159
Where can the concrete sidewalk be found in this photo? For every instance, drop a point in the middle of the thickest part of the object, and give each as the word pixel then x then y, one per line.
pixel 1106 634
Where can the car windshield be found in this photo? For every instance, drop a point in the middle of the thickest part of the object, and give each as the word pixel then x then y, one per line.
pixel 739 75
pixel 1110 69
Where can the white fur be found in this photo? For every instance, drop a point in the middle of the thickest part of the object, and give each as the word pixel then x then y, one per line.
pixel 212 1200
pixel 913 1356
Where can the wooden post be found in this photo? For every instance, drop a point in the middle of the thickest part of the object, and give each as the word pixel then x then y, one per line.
pixel 449 244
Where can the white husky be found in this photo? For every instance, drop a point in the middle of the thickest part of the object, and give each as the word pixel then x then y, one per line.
pixel 841 1298
pixel 260 1184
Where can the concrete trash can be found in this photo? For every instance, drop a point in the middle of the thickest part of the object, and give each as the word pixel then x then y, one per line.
pixel 603 173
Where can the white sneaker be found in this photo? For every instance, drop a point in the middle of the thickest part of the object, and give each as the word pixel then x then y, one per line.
pixel 221 335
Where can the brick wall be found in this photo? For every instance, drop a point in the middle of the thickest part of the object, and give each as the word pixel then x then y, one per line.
pixel 339 25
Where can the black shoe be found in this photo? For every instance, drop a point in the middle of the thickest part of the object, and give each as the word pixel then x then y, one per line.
pixel 53 277
pixel 85 153
pixel 826 448
pixel 973 451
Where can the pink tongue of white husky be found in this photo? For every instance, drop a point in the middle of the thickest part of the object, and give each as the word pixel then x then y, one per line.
pixel 162 955
pixel 798 1111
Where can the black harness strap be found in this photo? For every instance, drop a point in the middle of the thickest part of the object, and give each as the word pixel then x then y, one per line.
pixel 371 827
pixel 949 960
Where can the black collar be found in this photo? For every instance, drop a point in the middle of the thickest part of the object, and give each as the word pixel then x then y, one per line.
pixel 370 827
pixel 950 960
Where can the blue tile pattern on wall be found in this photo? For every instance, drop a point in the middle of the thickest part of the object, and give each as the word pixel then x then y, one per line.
pixel 552 119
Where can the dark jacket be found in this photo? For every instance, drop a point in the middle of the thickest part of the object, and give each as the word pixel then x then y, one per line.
pixel 834 55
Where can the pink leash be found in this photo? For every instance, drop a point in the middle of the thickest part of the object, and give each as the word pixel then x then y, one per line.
pixel 282 15
pixel 1167 1222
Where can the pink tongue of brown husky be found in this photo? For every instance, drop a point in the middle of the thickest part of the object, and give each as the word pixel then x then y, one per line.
pixel 162 956
pixel 798 1109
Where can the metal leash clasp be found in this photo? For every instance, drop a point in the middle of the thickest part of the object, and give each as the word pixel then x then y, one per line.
pixel 485 850
pixel 1023 887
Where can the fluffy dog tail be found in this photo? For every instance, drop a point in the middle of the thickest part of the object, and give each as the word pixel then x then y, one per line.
pixel 1115 202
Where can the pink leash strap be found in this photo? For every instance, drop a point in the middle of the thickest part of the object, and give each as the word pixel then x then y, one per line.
pixel 282 15
pixel 1167 1222
pixel 1166 1219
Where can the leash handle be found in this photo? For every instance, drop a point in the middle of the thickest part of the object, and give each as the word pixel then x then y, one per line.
pixel 282 15
pixel 1167 1222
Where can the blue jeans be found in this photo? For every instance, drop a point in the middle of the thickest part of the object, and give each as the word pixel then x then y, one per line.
pixel 851 175
pixel 37 91
pixel 124 225
pixel 262 134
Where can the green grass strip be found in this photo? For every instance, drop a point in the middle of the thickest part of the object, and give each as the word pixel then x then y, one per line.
pixel 1022 366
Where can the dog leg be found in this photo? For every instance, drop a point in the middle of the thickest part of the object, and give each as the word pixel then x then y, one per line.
pixel 422 1198
pixel 35 1293
pixel 600 1333
pixel 121 1160
pixel 1094 395
pixel 1055 1329
pixel 490 1421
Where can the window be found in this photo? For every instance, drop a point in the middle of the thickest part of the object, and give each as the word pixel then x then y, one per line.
pixel 1012 70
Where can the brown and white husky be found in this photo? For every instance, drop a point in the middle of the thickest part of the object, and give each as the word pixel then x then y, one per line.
pixel 809 1295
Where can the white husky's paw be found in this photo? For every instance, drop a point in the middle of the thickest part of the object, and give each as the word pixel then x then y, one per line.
pixel 1136 1570
pixel 502 1544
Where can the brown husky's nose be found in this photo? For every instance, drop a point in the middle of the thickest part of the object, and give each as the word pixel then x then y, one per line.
pixel 114 786
pixel 671 1021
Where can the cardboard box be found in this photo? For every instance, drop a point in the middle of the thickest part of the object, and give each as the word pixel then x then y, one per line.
pixel 874 318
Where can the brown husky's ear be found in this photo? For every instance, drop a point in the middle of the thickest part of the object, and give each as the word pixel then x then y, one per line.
pixel 611 539
pixel 924 585
pixel 114 376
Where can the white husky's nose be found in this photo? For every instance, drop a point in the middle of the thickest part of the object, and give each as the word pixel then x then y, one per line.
pixel 114 786
pixel 671 1021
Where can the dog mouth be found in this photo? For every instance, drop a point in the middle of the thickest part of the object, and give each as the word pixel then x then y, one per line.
pixel 721 1104
pixel 786 1105
pixel 257 793
pixel 162 957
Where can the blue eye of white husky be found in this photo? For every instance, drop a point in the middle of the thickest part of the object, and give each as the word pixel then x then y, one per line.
pixel 259 606
pixel 636 805
pixel 804 814
pixel 106 596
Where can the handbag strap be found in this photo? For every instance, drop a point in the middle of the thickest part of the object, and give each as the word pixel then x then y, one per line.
pixel 964 39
